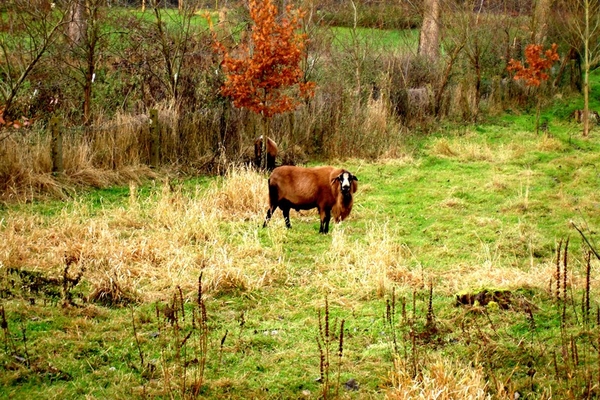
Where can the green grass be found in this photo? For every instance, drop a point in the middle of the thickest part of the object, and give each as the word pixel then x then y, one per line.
pixel 377 39
pixel 469 209
pixel 465 209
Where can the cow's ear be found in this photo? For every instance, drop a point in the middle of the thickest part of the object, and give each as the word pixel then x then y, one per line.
pixel 337 178
pixel 354 178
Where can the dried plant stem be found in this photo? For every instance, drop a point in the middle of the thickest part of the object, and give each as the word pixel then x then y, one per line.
pixel 203 337
pixel 340 354
pixel 413 338
pixel 221 349
pixel 137 341
pixel 324 342
pixel 24 336
pixel 592 249
pixel 564 283
pixel 558 259
pixel 430 315
pixel 565 262
pixel 8 343
pixel 323 363
pixel 586 302
pixel 390 319
pixel 179 291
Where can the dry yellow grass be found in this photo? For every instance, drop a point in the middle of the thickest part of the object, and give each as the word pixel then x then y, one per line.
pixel 151 245
pixel 26 165
pixel 366 268
pixel 464 149
pixel 441 379
pixel 369 268
pixel 154 244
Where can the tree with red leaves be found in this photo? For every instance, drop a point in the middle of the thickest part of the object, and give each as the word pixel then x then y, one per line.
pixel 264 73
pixel 538 63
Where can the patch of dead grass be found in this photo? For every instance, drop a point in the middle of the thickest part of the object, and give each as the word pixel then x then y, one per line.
pixel 453 202
pixel 549 143
pixel 441 378
pixel 466 150
pixel 155 243
pixel 366 267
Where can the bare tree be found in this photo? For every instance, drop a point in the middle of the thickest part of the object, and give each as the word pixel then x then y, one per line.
pixel 475 37
pixel 582 18
pixel 28 32
pixel 541 16
pixel 173 43
pixel 429 38
pixel 86 43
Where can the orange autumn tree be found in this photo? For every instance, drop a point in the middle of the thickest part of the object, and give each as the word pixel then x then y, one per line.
pixel 538 63
pixel 264 73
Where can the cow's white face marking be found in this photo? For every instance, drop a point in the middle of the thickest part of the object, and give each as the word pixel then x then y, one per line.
pixel 345 181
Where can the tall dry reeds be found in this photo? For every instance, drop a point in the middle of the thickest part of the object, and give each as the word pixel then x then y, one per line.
pixel 93 157
pixel 158 241
pixel 24 166
pixel 117 151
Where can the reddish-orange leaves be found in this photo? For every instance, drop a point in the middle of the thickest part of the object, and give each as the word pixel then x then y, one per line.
pixel 8 123
pixel 538 61
pixel 264 73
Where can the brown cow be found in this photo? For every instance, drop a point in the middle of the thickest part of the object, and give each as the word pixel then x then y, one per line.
pixel 328 189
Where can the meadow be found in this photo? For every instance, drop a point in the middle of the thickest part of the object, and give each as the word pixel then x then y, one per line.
pixel 467 269
pixel 444 279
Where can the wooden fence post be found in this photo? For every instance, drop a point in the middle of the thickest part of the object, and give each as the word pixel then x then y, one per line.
pixel 154 138
pixel 57 146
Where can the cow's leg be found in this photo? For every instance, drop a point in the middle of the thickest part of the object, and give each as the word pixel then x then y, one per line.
pixel 325 217
pixel 273 204
pixel 270 212
pixel 286 216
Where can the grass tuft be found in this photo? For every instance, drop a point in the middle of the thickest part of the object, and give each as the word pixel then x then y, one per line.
pixel 442 379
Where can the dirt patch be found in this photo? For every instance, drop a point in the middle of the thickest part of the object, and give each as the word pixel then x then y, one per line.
pixel 504 299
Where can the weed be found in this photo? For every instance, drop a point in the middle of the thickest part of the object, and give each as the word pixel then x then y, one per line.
pixel 183 347
pixel 325 341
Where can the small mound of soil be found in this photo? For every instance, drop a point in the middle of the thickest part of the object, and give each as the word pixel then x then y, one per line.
pixel 504 298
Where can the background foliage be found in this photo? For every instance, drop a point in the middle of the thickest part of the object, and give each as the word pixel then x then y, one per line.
pixel 372 90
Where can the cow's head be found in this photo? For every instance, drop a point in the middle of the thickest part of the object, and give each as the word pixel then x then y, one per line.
pixel 346 179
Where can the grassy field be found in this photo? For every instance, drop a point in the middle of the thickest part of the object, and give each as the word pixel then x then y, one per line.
pixel 462 273
pixel 443 278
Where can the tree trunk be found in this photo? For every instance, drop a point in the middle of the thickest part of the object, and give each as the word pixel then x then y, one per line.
pixel 429 38
pixel 540 20
pixel 586 70
pixel 57 146
pixel 263 153
pixel 77 22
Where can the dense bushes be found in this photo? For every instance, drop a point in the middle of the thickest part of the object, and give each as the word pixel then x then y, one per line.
pixel 372 89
